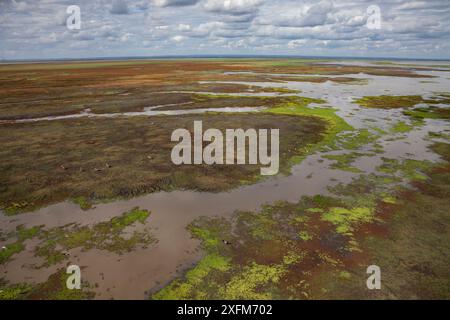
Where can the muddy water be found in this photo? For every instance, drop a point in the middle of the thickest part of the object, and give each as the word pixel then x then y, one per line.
pixel 148 111
pixel 134 275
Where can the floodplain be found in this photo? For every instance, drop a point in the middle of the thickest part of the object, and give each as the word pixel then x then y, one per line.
pixel 86 179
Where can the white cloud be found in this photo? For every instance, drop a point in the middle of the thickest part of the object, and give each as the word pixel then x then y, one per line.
pixel 184 27
pixel 296 43
pixel 232 6
pixel 177 38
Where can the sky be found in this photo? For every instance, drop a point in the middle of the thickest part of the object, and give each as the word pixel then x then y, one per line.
pixel 34 29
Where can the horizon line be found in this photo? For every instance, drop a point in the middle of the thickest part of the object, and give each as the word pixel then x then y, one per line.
pixel 216 56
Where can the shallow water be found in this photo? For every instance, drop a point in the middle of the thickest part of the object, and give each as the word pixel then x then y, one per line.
pixel 148 111
pixel 132 275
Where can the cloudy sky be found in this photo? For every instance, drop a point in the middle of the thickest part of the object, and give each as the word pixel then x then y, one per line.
pixel 37 29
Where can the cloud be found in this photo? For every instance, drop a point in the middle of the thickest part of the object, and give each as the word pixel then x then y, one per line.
pixel 296 43
pixel 174 3
pixel 306 16
pixel 177 38
pixel 119 7
pixel 233 7
pixel 20 6
pixel 184 27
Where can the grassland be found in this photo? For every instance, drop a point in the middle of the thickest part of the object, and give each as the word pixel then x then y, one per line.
pixel 91 160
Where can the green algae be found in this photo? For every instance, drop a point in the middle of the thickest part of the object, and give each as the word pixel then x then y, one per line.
pixel 304 235
pixel 16 207
pixel 83 202
pixel 414 254
pixel 345 219
pixel 21 234
pixel 14 292
pixel 438 135
pixel 252 282
pixel 389 102
pixel 281 90
pixel 54 288
pixel 355 140
pixel 336 125
pixel 267 250
pixel 389 199
pixel 212 263
pixel 409 168
pixel 104 235
pixel 362 189
pixel 430 112
pixel 442 149
pixel 10 250
pixel 344 161
pixel 401 127
pixel 307 249
pixel 187 288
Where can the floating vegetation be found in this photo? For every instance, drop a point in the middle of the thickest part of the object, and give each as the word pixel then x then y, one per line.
pixel 54 244
pixel 344 161
pixel 54 288
pixel 83 202
pixel 108 236
pixel 428 113
pixel 401 127
pixel 390 102
pixel 20 235
pixel 408 168
pixel 432 111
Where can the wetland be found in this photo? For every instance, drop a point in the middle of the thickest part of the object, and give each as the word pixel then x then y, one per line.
pixel 86 178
